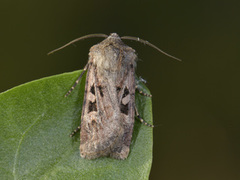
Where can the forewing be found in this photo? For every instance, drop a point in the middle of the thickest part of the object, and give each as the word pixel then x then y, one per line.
pixel 100 124
pixel 127 104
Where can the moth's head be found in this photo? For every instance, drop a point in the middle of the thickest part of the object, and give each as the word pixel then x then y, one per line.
pixel 114 36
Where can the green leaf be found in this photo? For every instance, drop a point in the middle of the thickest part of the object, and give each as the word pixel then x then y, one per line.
pixel 35 123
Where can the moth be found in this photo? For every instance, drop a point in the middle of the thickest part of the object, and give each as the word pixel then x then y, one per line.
pixel 109 108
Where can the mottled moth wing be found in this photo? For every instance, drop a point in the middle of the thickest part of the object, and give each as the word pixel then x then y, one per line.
pixel 109 100
pixel 108 115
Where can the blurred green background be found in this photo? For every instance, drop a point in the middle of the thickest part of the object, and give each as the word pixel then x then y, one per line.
pixel 195 102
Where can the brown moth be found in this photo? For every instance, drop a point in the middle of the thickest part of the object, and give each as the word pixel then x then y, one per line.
pixel 109 109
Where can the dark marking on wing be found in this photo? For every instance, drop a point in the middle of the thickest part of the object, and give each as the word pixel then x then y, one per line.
pixel 94 122
pixel 92 90
pixel 92 106
pixel 126 92
pixel 123 106
pixel 100 90
pixel 118 89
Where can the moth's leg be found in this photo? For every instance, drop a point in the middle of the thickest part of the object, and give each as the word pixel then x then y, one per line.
pixel 77 81
pixel 139 89
pixel 142 121
pixel 75 131
pixel 141 92
pixel 142 80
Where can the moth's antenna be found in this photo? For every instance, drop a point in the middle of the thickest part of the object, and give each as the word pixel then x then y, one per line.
pixel 78 39
pixel 149 44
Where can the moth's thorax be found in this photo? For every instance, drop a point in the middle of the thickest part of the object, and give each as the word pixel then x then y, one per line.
pixel 112 54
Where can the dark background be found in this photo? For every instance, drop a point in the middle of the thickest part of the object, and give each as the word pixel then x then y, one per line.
pixel 195 102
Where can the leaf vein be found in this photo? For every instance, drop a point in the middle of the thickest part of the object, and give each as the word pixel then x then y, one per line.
pixel 19 144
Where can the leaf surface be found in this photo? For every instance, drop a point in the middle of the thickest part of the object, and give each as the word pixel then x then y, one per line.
pixel 35 123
